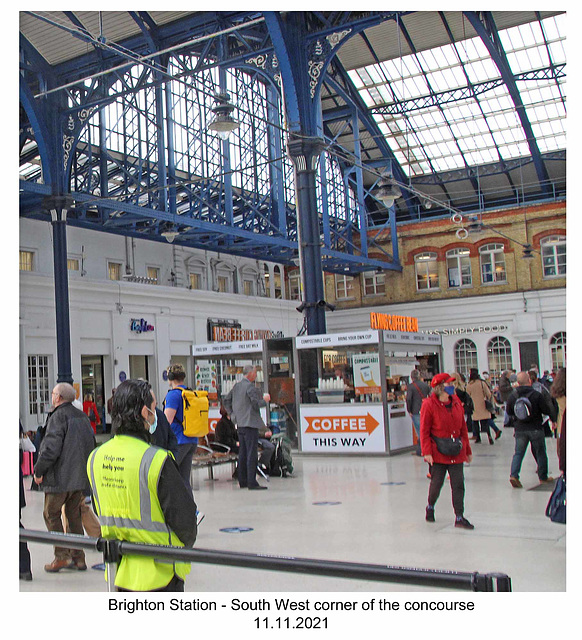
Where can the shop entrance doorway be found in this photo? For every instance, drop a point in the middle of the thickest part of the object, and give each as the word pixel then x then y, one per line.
pixel 138 367
pixel 528 355
pixel 93 384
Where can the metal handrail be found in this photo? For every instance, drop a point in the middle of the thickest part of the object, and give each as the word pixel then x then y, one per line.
pixel 113 550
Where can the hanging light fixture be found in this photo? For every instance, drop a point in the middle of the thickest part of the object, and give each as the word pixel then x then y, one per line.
pixel 388 191
pixel 527 251
pixel 170 236
pixel 475 224
pixel 223 123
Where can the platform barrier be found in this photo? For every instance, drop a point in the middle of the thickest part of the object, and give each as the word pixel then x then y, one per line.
pixel 113 550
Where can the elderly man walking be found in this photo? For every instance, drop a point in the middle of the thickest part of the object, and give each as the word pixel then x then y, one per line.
pixel 61 471
pixel 243 405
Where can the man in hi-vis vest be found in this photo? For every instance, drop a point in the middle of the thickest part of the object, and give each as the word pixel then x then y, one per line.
pixel 139 495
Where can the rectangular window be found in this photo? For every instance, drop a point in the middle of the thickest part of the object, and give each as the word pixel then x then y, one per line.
pixel 114 270
pixel 73 264
pixel 295 287
pixel 223 282
pixel 153 273
pixel 195 281
pixel 248 288
pixel 344 287
pixel 427 276
pixel 493 266
pixel 26 260
pixel 374 283
pixel 38 385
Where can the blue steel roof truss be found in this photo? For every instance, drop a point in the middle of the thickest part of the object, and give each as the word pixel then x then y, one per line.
pixel 147 182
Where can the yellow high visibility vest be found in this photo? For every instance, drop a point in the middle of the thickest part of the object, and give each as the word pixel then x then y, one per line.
pixel 124 474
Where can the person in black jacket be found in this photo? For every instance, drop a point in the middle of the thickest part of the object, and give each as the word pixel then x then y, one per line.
pixel 163 436
pixel 61 471
pixel 529 430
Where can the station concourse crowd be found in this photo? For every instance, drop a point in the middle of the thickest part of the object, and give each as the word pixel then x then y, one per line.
pixel 382 497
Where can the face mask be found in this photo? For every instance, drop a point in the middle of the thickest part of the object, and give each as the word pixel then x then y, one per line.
pixel 450 390
pixel 154 425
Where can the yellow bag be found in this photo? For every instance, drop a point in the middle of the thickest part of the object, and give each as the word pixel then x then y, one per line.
pixel 195 404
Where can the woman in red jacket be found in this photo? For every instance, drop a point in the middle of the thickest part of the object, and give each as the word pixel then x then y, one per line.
pixel 442 416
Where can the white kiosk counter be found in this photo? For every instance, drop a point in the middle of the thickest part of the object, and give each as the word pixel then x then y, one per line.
pixel 352 389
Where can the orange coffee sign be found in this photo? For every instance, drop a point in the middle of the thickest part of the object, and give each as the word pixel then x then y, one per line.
pixel 389 322
pixel 341 424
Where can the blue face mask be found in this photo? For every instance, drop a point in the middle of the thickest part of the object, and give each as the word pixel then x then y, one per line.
pixel 154 425
pixel 450 390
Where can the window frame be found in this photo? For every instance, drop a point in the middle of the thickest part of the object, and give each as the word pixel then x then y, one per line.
pixel 158 272
pixel 32 255
pixel 553 242
pixel 345 282
pixel 378 288
pixel 504 357
pixel 492 249
pixel 558 341
pixel 461 363
pixel 462 260
pixel 425 259
pixel 113 263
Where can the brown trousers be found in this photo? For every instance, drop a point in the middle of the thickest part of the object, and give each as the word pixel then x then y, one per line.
pixel 70 502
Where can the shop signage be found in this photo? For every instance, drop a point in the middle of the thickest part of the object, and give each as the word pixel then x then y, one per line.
pixel 390 322
pixel 366 373
pixel 336 339
pixel 454 331
pixel 140 326
pixel 205 377
pixel 249 346
pixel 236 334
pixel 411 338
pixel 347 428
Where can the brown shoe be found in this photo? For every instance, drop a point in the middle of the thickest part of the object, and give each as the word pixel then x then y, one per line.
pixel 547 480
pixel 515 483
pixel 56 565
pixel 79 565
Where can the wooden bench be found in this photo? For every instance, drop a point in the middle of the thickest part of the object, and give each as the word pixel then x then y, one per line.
pixel 210 454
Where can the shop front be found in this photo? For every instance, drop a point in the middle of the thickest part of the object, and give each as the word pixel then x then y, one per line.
pixel 352 389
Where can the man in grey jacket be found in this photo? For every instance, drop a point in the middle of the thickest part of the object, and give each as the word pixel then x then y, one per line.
pixel 243 405
pixel 61 471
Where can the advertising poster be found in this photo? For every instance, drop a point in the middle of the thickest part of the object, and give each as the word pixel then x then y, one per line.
pixel 348 428
pixel 366 373
pixel 205 375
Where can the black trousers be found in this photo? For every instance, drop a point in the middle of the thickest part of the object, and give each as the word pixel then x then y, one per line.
pixel 438 473
pixel 248 439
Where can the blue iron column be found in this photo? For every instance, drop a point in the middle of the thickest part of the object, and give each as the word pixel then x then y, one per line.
pixel 58 207
pixel 305 153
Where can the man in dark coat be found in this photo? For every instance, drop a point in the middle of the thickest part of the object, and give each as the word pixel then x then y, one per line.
pixel 61 471
pixel 529 430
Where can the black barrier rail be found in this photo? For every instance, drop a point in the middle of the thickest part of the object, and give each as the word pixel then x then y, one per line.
pixel 113 550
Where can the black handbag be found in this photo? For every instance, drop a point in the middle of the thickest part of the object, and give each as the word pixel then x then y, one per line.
pixel 448 446
pixel 490 406
pixel 556 509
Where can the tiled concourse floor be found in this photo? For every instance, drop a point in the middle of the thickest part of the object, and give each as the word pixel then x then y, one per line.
pixel 379 519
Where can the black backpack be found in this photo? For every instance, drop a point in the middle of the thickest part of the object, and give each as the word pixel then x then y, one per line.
pixel 522 409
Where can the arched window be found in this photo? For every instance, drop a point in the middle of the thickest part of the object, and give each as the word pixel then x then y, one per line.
pixel 554 256
pixel 459 268
pixel 427 276
pixel 558 350
pixel 492 264
pixel 498 357
pixel 465 356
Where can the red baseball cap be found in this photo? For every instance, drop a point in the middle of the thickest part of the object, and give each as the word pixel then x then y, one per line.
pixel 441 378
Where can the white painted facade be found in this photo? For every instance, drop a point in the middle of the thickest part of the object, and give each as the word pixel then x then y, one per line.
pixel 102 310
pixel 532 316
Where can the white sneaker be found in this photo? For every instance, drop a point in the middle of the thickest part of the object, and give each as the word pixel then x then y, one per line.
pixel 199 517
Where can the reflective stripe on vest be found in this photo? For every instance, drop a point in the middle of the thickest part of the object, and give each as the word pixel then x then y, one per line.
pixel 145 523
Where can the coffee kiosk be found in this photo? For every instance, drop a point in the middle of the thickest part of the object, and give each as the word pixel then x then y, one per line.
pixel 352 388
